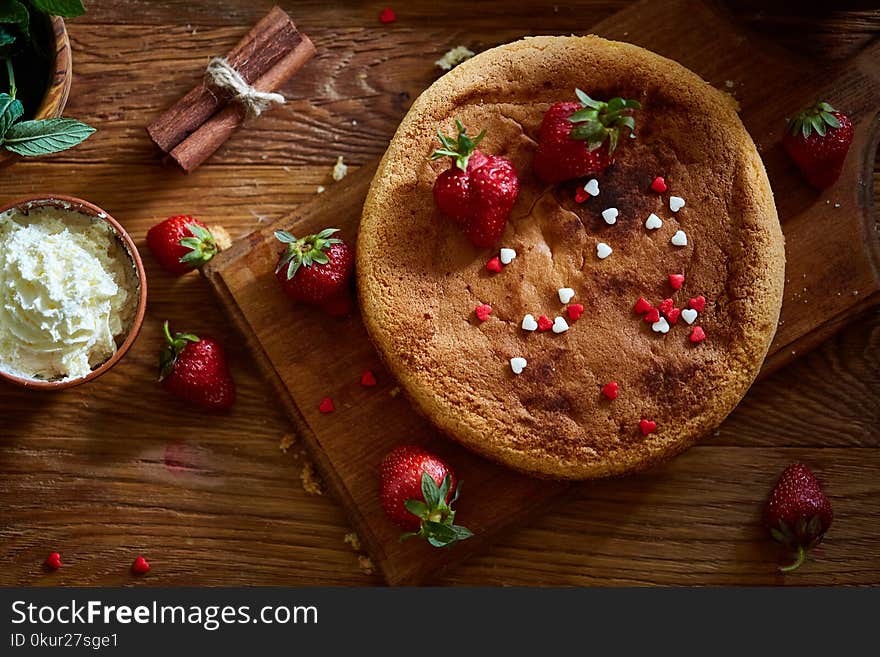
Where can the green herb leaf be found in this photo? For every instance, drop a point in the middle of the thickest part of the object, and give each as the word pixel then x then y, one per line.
pixel 12 12
pixel 11 110
pixel 64 8
pixel 33 138
pixel 6 38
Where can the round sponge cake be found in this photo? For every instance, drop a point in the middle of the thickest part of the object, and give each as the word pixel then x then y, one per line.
pixel 419 278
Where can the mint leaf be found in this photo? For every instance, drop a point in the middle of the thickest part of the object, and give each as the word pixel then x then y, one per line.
pixel 6 38
pixel 63 8
pixel 11 110
pixel 33 138
pixel 12 12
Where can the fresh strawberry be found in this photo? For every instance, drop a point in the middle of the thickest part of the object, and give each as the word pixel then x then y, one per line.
pixel 578 139
pixel 418 490
pixel 181 244
pixel 797 514
pixel 195 369
pixel 316 269
pixel 818 140
pixel 477 191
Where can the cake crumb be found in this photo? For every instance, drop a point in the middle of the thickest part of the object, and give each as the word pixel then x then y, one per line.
pixel 340 169
pixel 366 565
pixel 287 441
pixel 454 57
pixel 837 205
pixel 729 84
pixel 352 539
pixel 394 391
pixel 319 189
pixel 311 482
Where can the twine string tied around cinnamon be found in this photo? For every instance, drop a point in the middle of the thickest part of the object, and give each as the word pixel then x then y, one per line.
pixel 221 75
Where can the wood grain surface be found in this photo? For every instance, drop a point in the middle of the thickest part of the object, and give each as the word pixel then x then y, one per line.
pixel 107 471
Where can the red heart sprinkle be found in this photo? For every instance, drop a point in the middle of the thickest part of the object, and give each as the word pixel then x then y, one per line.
pixel 575 310
pixel 698 303
pixel 652 316
pixel 697 334
pixel 326 405
pixel 581 195
pixel 495 265
pixel 544 323
pixel 387 15
pixel 659 185
pixel 676 281
pixel 482 311
pixel 53 561
pixel 647 426
pixel 666 305
pixel 610 390
pixel 672 315
pixel 140 566
pixel 368 380
pixel 642 306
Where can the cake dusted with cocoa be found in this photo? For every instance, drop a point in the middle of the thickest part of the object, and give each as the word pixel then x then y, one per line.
pixel 635 276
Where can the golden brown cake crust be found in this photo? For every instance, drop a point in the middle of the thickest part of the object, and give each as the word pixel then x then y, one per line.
pixel 419 279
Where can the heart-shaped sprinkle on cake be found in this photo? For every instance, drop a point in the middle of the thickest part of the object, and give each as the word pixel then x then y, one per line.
pixel 529 323
pixel 575 310
pixel 603 250
pixel 560 325
pixel 698 303
pixel 506 256
pixel 544 323
pixel 676 203
pixel 689 315
pixel 592 187
pixel 660 326
pixel 482 312
pixel 679 239
pixel 518 364
pixel 653 222
pixel 610 216
pixel 566 294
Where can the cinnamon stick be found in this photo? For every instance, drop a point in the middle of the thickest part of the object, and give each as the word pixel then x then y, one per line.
pixel 267 43
pixel 201 144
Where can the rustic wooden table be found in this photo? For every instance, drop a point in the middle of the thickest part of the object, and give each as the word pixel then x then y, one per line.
pixel 107 471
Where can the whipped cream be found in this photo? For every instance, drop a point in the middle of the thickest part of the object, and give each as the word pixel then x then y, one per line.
pixel 67 293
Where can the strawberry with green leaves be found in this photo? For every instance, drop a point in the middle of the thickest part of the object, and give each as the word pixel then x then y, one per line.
pixel 316 270
pixel 818 140
pixel 181 244
pixel 797 513
pixel 418 490
pixel 579 139
pixel 477 191
pixel 195 369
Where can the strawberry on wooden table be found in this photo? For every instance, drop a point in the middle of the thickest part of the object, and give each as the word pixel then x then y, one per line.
pixel 181 244
pixel 418 490
pixel 195 370
pixel 316 270
pixel 818 140
pixel 477 191
pixel 797 513
pixel 579 138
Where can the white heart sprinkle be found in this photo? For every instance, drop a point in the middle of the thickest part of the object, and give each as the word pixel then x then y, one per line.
pixel 560 325
pixel 689 315
pixel 661 326
pixel 592 187
pixel 653 222
pixel 518 364
pixel 610 216
pixel 603 250
pixel 506 256
pixel 676 203
pixel 529 323
pixel 566 294
pixel 679 239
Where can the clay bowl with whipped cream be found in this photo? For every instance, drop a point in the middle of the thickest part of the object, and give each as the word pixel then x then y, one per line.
pixel 72 292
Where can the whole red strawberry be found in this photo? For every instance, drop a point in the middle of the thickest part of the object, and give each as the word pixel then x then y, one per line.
pixel 195 369
pixel 418 490
pixel 578 139
pixel 818 140
pixel 477 191
pixel 181 244
pixel 316 270
pixel 797 514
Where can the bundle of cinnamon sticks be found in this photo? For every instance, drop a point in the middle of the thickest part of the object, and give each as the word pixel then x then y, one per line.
pixel 200 122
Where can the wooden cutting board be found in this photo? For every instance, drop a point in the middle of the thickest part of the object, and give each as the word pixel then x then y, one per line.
pixel 832 246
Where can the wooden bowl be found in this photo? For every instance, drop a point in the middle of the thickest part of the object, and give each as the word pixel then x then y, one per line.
pixel 55 99
pixel 79 205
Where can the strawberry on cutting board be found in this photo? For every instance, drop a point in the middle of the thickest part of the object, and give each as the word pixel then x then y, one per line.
pixel 316 270
pixel 797 513
pixel 579 138
pixel 477 191
pixel 818 140
pixel 195 370
pixel 182 243
pixel 418 490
